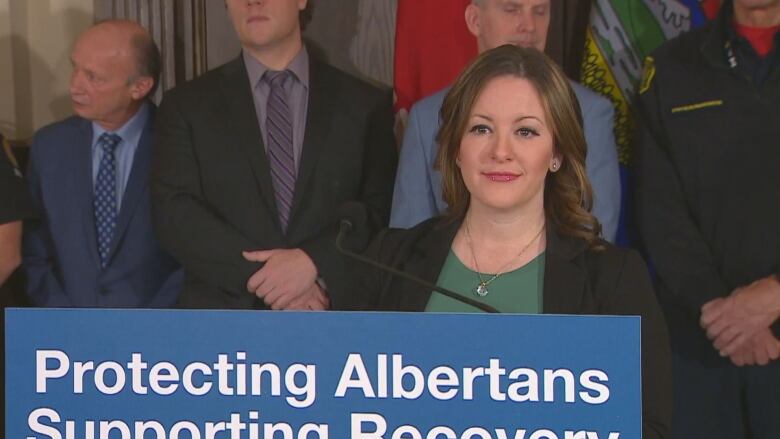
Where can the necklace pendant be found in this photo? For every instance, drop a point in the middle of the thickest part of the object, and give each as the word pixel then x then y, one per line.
pixel 482 290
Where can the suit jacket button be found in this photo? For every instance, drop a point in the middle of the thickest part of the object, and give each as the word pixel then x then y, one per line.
pixel 104 291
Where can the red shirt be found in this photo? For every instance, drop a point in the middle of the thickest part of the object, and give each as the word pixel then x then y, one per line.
pixel 761 38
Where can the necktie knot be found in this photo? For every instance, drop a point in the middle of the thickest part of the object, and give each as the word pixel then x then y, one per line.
pixel 276 78
pixel 108 142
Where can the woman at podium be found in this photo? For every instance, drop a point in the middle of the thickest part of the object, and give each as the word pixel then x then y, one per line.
pixel 518 236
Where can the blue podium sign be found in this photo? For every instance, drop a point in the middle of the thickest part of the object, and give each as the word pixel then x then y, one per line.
pixel 145 374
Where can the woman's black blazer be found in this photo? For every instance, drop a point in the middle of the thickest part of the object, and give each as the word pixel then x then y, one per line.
pixel 577 280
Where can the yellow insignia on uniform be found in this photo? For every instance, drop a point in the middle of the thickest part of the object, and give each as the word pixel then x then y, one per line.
pixel 648 73
pixel 697 106
pixel 6 147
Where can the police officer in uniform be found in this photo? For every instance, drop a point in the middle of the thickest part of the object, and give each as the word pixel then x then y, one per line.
pixel 708 209
pixel 14 207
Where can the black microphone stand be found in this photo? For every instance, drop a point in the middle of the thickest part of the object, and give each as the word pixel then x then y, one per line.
pixel 346 226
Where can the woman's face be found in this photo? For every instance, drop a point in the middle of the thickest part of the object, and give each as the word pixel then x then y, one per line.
pixel 507 148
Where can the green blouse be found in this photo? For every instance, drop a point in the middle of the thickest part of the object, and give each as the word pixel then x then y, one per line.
pixel 518 291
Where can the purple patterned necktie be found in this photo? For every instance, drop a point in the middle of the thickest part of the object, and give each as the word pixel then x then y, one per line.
pixel 278 125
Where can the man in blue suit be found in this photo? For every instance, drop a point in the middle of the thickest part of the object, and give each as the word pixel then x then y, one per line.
pixel 417 194
pixel 93 244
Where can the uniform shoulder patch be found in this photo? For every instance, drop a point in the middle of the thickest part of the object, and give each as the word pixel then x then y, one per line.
pixel 648 74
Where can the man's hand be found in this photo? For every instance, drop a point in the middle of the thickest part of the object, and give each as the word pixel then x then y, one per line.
pixel 731 322
pixel 10 244
pixel 313 299
pixel 285 277
pixel 761 349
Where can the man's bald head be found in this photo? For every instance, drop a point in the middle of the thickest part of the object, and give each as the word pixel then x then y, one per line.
pixel 116 65
pixel 137 39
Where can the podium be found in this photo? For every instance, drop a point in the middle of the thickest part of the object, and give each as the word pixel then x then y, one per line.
pixel 77 373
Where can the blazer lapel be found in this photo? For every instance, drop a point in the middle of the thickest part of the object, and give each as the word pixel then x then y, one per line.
pixel 564 279
pixel 243 117
pixel 136 186
pixel 84 186
pixel 426 261
pixel 318 126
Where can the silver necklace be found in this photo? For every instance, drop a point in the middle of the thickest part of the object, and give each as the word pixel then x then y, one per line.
pixel 482 288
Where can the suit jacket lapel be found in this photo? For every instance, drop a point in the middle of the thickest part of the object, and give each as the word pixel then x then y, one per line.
pixel 564 279
pixel 426 261
pixel 136 186
pixel 241 113
pixel 319 113
pixel 84 187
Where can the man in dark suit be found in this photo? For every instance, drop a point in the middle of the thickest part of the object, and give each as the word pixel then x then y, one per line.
pixel 253 160
pixel 93 245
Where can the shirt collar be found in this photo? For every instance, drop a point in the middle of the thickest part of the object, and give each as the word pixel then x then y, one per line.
pixel 715 46
pixel 731 32
pixel 736 38
pixel 718 47
pixel 130 132
pixel 298 66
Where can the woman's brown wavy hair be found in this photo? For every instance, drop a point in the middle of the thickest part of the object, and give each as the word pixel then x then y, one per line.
pixel 568 196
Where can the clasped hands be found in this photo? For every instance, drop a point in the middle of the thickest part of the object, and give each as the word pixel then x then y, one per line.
pixel 287 280
pixel 739 325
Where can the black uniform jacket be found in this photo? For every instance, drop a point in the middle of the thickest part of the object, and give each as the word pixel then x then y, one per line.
pixel 707 169
pixel 14 202
pixel 577 280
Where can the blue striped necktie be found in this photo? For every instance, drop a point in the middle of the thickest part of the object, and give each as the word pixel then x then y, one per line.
pixel 105 201
pixel 278 125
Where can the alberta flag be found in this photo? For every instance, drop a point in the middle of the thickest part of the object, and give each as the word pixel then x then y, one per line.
pixel 622 33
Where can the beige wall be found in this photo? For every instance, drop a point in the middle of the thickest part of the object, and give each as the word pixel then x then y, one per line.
pixel 356 36
pixel 35 40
